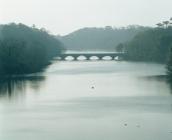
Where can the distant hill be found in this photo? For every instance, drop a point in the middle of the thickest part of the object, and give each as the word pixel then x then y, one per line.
pixel 99 39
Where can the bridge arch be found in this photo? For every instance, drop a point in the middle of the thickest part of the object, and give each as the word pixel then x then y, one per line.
pixel 69 58
pixel 81 58
pixel 107 58
pixel 58 58
pixel 118 58
pixel 94 58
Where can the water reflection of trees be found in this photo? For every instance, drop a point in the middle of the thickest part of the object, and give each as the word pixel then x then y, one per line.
pixel 169 82
pixel 11 86
pixel 160 78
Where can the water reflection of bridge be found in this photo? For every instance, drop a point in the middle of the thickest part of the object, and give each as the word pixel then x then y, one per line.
pixel 89 56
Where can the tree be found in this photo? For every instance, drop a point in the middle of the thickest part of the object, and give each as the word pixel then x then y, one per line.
pixel 166 23
pixel 160 25
pixel 169 65
pixel 120 47
pixel 26 49
pixel 151 45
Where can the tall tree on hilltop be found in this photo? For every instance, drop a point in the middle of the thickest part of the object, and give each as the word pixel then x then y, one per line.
pixel 166 23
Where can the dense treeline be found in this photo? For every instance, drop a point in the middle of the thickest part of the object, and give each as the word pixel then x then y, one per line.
pixel 152 45
pixel 26 49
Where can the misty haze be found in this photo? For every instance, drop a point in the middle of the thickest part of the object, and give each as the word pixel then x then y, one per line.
pixel 85 70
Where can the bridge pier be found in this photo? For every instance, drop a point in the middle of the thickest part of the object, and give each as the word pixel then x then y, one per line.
pixel 100 57
pixel 63 58
pixel 75 58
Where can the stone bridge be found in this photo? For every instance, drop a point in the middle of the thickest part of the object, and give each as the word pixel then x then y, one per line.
pixel 89 56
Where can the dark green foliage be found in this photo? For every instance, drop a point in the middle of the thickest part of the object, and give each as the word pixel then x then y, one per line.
pixel 120 48
pixel 151 45
pixel 99 39
pixel 26 50
pixel 169 65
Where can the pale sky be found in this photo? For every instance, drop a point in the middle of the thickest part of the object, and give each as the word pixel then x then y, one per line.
pixel 65 16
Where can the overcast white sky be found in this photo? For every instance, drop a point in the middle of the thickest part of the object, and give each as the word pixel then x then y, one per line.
pixel 64 16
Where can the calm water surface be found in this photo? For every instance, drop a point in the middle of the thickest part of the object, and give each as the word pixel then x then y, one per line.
pixel 103 100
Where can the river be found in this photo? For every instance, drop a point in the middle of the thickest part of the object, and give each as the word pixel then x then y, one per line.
pixel 98 100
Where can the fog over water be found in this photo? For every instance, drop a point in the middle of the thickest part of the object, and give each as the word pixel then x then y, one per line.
pixel 98 100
